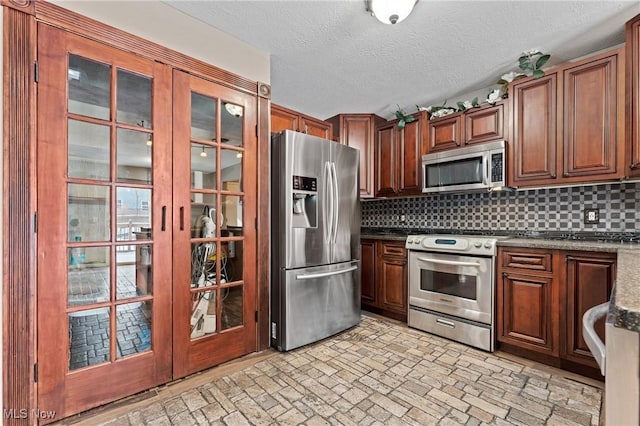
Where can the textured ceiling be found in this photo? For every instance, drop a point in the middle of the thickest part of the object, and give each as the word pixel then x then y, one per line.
pixel 330 57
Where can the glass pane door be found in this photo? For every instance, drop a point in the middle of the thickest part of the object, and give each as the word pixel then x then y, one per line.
pixel 101 203
pixel 214 290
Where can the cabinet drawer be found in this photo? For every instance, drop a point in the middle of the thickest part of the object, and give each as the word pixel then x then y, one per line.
pixel 393 250
pixel 530 261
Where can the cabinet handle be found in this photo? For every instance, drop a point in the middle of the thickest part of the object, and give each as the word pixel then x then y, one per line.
pixel 164 218
pixel 565 174
pixel 504 274
pixel 553 175
pixel 182 218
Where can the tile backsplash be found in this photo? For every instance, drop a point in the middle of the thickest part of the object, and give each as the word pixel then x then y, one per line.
pixel 548 209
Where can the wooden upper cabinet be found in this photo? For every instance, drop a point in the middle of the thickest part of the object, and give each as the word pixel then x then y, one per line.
pixel 534 138
pixel 315 127
pixel 286 119
pixel 411 148
pixel 358 131
pixel 446 132
pixel 385 160
pixel 568 126
pixel 632 166
pixel 398 154
pixel 283 119
pixel 484 124
pixel 593 120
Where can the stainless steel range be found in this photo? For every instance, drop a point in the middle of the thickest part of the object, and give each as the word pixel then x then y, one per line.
pixel 452 287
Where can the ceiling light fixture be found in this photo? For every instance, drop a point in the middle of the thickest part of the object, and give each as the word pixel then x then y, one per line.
pixel 235 110
pixel 203 154
pixel 390 11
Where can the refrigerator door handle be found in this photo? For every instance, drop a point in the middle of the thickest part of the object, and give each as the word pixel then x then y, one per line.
pixel 336 198
pixel 327 205
pixel 326 274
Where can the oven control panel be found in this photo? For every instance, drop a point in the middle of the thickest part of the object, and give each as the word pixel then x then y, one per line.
pixel 481 245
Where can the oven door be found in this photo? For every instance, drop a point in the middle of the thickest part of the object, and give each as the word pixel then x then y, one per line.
pixel 452 284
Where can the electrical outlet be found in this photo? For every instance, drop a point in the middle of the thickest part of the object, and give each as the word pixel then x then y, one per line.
pixel 592 216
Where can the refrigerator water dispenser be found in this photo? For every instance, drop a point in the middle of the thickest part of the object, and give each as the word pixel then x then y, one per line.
pixel 305 211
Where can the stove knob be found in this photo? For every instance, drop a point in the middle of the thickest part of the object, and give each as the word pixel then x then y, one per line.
pixel 409 240
pixel 417 240
pixel 488 245
pixel 477 244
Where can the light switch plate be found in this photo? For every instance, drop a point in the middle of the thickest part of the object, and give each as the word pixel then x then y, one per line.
pixel 592 216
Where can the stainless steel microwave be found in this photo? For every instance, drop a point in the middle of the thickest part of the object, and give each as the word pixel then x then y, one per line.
pixel 472 168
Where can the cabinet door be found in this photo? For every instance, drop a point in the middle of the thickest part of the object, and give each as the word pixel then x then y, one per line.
pixel 526 309
pixel 593 128
pixel 633 100
pixel 283 119
pixel 319 128
pixel 392 276
pixel 368 265
pixel 484 124
pixel 385 155
pixel 358 131
pixel 445 133
pixel 589 283
pixel 410 158
pixel 534 139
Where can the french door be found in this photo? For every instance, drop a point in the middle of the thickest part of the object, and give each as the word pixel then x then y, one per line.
pixel 214 146
pixel 146 268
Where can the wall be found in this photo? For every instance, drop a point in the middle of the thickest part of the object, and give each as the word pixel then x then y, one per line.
pixel 162 24
pixel 549 209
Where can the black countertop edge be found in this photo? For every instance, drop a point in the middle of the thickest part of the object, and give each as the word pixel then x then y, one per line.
pixel 624 318
pixel 543 235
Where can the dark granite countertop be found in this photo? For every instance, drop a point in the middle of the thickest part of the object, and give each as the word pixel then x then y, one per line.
pixel 626 306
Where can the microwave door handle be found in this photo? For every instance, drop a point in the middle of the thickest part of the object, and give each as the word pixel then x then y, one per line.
pixel 487 176
pixel 449 262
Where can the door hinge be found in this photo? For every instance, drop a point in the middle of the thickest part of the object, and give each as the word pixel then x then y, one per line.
pixel 35 373
pixel 36 73
pixel 35 223
pixel 256 316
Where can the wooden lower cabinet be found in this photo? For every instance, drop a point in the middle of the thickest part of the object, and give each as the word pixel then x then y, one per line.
pixel 368 267
pixel 384 278
pixel 541 298
pixel 527 320
pixel 589 283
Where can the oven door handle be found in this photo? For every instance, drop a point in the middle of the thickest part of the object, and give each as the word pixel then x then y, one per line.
pixel 449 262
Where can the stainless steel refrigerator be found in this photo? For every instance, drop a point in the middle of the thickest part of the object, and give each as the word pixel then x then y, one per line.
pixel 315 239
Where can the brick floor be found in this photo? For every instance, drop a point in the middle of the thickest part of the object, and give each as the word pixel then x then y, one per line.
pixel 378 373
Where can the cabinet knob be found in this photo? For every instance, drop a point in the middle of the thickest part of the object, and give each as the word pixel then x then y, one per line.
pixel 504 274
pixel 633 165
pixel 565 174
pixel 553 176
